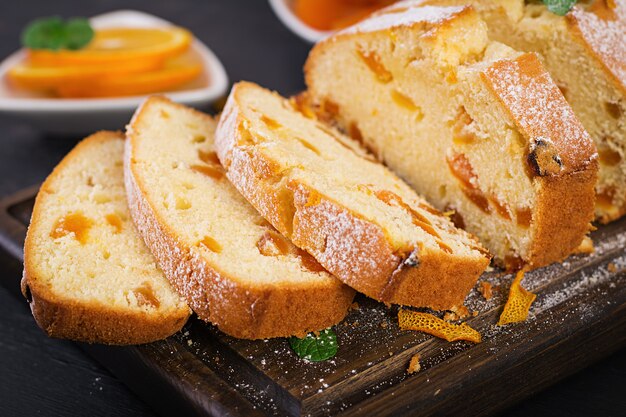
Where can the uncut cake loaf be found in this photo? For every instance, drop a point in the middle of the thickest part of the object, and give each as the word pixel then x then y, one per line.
pixel 234 269
pixel 474 126
pixel 360 221
pixel 88 275
pixel 585 53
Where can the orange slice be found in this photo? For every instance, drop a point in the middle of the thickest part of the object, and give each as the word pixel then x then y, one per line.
pixel 34 77
pixel 175 73
pixel 122 45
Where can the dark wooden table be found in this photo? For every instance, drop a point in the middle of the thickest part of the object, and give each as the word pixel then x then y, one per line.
pixel 41 376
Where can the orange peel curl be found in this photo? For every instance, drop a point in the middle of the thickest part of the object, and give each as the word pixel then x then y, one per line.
pixel 518 304
pixel 427 323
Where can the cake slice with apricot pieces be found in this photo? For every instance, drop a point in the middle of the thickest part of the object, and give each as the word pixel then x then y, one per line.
pixel 88 275
pixel 358 219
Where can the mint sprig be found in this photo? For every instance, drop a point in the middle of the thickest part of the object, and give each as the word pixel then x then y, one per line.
pixel 315 348
pixel 560 7
pixel 54 33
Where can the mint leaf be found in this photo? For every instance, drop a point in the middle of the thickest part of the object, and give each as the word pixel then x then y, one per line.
pixel 53 33
pixel 78 33
pixel 44 34
pixel 315 349
pixel 560 7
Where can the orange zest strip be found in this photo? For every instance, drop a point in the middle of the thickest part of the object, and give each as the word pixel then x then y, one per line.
pixel 427 323
pixel 519 302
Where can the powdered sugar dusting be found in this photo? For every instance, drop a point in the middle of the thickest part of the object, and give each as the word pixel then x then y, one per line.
pixel 604 30
pixel 411 16
pixel 352 246
pixel 540 110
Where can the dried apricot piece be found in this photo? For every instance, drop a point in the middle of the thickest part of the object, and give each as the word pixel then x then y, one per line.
pixel 427 323
pixel 209 171
pixel 211 244
pixel 309 262
pixel 209 158
pixel 524 217
pixel 114 220
pixel 72 223
pixel 375 64
pixel 273 244
pixel 145 296
pixel 519 302
pixel 270 123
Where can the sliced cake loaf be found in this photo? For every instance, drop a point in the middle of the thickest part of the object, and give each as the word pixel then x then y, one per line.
pixel 233 267
pixel 472 125
pixel 359 220
pixel 585 53
pixel 88 275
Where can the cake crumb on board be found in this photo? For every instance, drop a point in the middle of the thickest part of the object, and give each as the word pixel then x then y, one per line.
pixel 486 290
pixel 611 267
pixel 450 316
pixel 414 364
pixel 585 247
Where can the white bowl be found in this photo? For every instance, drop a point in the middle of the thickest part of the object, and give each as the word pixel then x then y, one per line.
pixel 284 11
pixel 79 116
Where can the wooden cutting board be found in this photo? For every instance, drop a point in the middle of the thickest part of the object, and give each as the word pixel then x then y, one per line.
pixel 579 316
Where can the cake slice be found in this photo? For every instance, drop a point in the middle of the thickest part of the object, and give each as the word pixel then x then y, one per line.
pixel 88 275
pixel 585 53
pixel 233 267
pixel 472 125
pixel 359 220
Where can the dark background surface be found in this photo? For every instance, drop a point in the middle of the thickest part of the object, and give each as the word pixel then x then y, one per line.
pixel 42 376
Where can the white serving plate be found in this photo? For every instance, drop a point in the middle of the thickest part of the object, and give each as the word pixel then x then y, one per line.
pixel 79 116
pixel 285 13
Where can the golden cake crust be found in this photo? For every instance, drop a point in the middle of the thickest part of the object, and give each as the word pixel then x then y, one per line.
pixel 93 322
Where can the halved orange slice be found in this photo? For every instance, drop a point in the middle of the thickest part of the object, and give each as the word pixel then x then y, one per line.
pixel 35 77
pixel 122 45
pixel 175 73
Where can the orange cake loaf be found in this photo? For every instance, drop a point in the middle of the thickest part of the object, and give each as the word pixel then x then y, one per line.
pixel 471 124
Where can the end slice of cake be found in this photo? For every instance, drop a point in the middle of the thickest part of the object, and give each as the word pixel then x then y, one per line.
pixel 88 276
pixel 234 269
pixel 358 220
pixel 471 124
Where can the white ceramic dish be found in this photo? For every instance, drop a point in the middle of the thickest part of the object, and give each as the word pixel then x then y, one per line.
pixel 80 116
pixel 285 13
